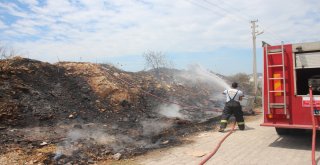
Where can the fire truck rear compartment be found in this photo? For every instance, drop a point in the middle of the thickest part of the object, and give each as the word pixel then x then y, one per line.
pixel 307 68
pixel 303 76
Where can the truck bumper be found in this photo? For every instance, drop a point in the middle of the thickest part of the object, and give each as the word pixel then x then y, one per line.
pixel 289 126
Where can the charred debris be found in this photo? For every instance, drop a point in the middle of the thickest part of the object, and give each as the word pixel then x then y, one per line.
pixel 83 112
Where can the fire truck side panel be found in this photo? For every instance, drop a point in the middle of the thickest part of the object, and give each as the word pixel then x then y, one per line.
pixel 296 116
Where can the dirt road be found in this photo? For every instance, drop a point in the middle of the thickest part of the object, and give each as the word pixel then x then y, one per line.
pixel 255 146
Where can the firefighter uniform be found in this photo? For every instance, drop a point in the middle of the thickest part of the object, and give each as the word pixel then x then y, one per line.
pixel 232 107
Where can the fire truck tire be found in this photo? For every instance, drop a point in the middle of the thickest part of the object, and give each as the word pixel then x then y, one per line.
pixel 282 131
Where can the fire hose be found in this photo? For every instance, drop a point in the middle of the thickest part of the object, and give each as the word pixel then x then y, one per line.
pixel 219 144
pixel 314 133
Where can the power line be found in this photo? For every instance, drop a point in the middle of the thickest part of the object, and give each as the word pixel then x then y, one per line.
pixel 240 16
pixel 227 11
pixel 204 7
pixel 217 6
pixel 244 15
pixel 243 18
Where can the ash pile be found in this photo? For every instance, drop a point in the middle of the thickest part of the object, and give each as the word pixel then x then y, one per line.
pixel 83 113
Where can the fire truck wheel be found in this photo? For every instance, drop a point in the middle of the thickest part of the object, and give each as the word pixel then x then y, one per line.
pixel 282 131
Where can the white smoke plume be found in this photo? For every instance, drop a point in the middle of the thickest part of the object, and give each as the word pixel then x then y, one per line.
pixel 71 142
pixel 154 127
pixel 196 73
pixel 171 111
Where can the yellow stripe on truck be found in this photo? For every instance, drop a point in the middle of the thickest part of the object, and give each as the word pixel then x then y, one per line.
pixel 277 84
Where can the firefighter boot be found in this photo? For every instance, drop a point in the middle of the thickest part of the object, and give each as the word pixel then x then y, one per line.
pixel 221 130
pixel 223 125
pixel 241 126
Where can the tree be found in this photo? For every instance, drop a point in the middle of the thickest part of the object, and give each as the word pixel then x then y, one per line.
pixel 156 60
pixel 6 52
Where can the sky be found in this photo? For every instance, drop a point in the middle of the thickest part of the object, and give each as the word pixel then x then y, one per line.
pixel 213 33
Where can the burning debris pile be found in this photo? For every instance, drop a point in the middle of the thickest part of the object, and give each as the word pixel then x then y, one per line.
pixel 83 112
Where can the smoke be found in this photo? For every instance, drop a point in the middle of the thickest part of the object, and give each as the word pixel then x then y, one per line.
pixel 196 73
pixel 94 135
pixel 80 139
pixel 154 127
pixel 77 137
pixel 171 111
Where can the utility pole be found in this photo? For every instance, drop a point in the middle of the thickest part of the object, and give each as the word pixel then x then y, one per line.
pixel 255 33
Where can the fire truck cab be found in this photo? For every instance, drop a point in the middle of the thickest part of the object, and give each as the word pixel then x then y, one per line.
pixel 289 69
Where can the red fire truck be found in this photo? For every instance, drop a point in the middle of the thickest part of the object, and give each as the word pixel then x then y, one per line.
pixel 289 69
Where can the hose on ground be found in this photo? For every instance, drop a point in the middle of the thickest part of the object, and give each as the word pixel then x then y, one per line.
pixel 219 144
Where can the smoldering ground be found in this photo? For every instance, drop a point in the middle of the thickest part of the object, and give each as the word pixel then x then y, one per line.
pixel 77 109
pixel 107 140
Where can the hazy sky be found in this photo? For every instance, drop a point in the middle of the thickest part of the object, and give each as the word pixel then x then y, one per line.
pixel 212 33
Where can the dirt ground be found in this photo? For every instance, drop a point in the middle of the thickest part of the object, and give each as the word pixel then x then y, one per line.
pixel 83 113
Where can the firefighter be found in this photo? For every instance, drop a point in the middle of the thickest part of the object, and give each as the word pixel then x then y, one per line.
pixel 232 106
